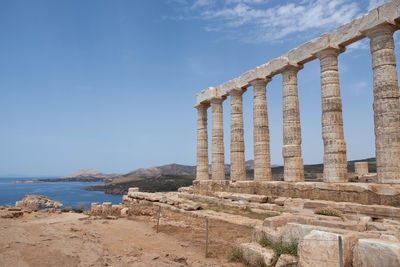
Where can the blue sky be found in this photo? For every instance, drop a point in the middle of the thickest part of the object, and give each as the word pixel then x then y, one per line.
pixel 111 84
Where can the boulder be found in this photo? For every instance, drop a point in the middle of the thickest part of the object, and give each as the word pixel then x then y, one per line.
pixel 376 252
pixel 286 260
pixel 253 252
pixel 124 212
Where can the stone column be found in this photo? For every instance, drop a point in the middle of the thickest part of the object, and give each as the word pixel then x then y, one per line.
pixel 293 170
pixel 262 157
pixel 335 159
pixel 202 143
pixel 218 160
pixel 238 165
pixel 386 103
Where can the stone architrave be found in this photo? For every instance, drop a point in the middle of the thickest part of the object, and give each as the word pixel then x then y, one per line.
pixel 238 165
pixel 386 103
pixel 218 156
pixel 262 157
pixel 291 151
pixel 202 172
pixel 335 159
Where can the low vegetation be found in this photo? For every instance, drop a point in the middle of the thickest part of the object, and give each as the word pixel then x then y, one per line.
pixel 67 209
pixel 164 183
pixel 280 247
pixel 328 212
pixel 235 254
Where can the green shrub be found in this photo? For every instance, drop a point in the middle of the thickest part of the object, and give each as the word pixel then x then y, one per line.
pixel 67 209
pixel 81 207
pixel 280 247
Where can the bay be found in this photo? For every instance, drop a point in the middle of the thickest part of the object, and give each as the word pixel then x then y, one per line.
pixel 69 193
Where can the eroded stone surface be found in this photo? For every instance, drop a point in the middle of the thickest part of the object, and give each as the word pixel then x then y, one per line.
pixel 375 252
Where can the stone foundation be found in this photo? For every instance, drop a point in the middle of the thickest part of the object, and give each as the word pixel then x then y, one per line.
pixel 363 193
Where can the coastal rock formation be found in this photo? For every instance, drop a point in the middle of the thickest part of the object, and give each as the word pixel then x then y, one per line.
pixel 38 201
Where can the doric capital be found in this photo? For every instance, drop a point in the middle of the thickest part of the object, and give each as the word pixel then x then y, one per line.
pixel 258 82
pixel 217 99
pixel 204 105
pixel 237 91
pixel 384 27
pixel 291 68
pixel 330 51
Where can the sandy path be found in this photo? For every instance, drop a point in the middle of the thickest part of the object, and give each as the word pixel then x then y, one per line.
pixel 69 239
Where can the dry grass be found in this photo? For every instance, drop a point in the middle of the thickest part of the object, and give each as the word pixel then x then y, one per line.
pixel 328 212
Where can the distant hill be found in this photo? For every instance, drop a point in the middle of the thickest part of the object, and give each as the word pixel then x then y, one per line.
pixel 171 177
pixel 171 169
pixel 91 174
pixel 83 175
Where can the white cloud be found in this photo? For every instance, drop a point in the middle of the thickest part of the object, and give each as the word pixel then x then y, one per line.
pixel 265 21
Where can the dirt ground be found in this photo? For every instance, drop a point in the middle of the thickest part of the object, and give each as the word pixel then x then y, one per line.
pixel 71 239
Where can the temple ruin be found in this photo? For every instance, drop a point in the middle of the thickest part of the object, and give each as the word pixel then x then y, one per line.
pixel 378 26
pixel 332 222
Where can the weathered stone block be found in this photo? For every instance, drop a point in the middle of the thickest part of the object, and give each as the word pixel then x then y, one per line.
pixel 287 260
pixel 133 189
pixel 376 252
pixel 323 247
pixel 206 95
pixel 252 252
pixel 306 52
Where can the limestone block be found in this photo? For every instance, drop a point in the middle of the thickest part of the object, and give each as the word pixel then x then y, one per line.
pixel 376 252
pixel 278 221
pixel 252 252
pixel 245 79
pixel 133 189
pixel 389 11
pixel 280 201
pixel 273 234
pixel 124 212
pixel 225 88
pixel 206 95
pixel 107 208
pixel 306 52
pixel 287 260
pixel 361 168
pixel 322 247
pixel 186 189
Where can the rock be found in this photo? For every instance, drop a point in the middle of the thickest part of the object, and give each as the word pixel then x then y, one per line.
pixel 14 209
pixel 252 252
pixel 376 252
pixel 38 201
pixel 124 212
pixel 10 214
pixel 280 201
pixel 286 260
pixel 323 247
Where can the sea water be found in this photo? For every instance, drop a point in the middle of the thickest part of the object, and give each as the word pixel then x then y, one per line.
pixel 69 193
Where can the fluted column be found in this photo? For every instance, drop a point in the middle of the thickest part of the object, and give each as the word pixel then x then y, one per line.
pixel 202 143
pixel 293 170
pixel 238 165
pixel 218 160
pixel 335 159
pixel 386 103
pixel 262 157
